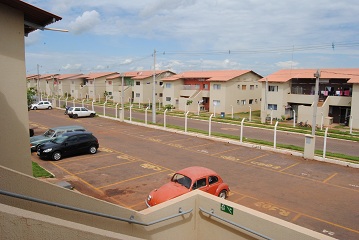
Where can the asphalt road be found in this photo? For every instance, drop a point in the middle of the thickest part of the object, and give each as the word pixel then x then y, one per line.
pixel 333 145
pixel 133 160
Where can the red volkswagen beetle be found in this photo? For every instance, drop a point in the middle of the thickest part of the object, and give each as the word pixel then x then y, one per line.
pixel 186 180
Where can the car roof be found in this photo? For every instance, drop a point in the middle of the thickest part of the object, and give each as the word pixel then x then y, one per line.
pixel 76 133
pixel 196 172
pixel 68 127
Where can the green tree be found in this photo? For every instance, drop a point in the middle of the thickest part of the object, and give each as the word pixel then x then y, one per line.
pixel 31 92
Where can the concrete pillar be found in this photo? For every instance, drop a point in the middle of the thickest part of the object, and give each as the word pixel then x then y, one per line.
pixel 309 146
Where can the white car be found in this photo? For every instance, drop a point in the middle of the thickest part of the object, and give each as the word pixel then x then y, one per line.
pixel 41 105
pixel 75 112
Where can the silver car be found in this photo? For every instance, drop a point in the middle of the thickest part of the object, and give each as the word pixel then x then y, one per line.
pixel 41 105
pixel 52 133
pixel 75 112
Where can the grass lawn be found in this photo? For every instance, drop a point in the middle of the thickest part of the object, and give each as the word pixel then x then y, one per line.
pixel 39 172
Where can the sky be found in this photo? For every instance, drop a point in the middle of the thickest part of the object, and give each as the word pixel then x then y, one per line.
pixel 194 35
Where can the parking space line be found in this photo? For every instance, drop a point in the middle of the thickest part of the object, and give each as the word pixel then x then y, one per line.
pixel 178 140
pixel 200 145
pixel 300 214
pixel 296 217
pixel 83 157
pixel 90 185
pixel 249 160
pixel 326 180
pixel 134 178
pixel 295 164
pixel 95 169
pixel 229 150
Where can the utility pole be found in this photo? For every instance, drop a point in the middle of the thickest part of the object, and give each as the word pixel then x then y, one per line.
pixel 37 82
pixel 154 88
pixel 122 117
pixel 315 104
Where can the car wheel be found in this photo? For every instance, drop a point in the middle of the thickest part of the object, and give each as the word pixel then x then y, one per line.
pixel 75 116
pixel 92 115
pixel 35 108
pixel 56 156
pixel 223 194
pixel 49 107
pixel 93 150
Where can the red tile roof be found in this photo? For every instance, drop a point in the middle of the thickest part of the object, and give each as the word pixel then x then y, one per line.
pixel 137 74
pixel 211 76
pixel 284 75
pixel 98 75
pixel 68 76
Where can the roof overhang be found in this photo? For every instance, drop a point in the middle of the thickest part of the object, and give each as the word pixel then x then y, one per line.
pixel 34 18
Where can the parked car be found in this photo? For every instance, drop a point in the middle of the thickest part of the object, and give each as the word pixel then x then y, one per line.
pixel 41 105
pixel 52 133
pixel 186 180
pixel 68 144
pixel 75 112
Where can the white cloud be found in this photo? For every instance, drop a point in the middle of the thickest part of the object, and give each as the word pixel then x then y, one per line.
pixel 87 21
pixel 69 66
pixel 287 64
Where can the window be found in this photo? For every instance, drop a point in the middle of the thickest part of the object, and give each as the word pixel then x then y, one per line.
pixel 137 95
pixel 272 106
pixel 161 95
pixel 251 87
pixel 199 183
pixel 73 82
pixel 212 179
pixel 138 83
pixel 244 87
pixel 197 86
pixel 168 99
pixel 216 102
pixel 250 101
pixel 217 86
pixel 168 85
pixel 205 86
pixel 90 82
pixel 243 102
pixel 109 82
pixel 273 88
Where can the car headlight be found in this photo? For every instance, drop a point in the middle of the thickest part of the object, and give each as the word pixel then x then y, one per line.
pixel 149 198
pixel 48 150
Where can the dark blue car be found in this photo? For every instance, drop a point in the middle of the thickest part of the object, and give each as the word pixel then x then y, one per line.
pixel 68 144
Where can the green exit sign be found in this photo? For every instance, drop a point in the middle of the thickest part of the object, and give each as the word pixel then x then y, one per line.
pixel 226 209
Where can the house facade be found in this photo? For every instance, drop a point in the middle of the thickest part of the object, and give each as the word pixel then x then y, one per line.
pixel 143 86
pixel 114 87
pixel 290 93
pixel 95 84
pixel 223 91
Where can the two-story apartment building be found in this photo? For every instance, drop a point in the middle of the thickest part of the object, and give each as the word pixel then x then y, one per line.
pixel 143 85
pixel 96 84
pixel 64 84
pixel 214 91
pixel 288 92
pixel 114 86
pixel 43 83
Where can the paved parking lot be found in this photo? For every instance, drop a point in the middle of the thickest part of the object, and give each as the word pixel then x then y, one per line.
pixel 133 160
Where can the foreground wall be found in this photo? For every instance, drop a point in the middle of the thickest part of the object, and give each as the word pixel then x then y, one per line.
pixel 25 216
pixel 14 141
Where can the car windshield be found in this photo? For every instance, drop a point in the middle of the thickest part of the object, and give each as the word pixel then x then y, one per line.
pixel 49 133
pixel 183 180
pixel 59 139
